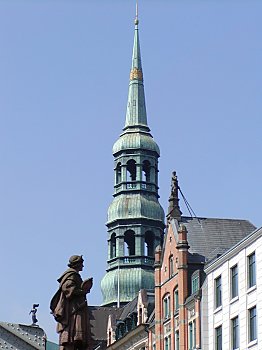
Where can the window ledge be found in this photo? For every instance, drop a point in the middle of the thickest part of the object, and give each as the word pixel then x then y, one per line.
pixel 234 299
pixel 176 312
pixel 252 343
pixel 166 320
pixel 219 308
pixel 251 289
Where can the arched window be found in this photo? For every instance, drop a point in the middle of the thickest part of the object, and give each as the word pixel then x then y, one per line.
pixel 131 170
pixel 129 239
pixel 166 306
pixel 176 300
pixel 118 173
pixel 149 243
pixel 113 246
pixel 146 171
pixel 171 266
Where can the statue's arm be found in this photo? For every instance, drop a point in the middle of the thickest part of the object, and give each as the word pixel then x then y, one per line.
pixel 71 288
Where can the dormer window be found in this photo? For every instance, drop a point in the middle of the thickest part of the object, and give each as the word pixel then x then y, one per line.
pixel 195 282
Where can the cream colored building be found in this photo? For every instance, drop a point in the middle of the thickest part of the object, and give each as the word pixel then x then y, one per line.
pixel 232 297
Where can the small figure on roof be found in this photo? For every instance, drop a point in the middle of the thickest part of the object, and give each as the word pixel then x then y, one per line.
pixel 173 208
pixel 33 312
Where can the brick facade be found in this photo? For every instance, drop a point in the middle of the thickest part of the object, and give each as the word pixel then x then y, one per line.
pixel 172 314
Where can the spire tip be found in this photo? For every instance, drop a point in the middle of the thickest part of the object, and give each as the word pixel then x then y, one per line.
pixel 136 18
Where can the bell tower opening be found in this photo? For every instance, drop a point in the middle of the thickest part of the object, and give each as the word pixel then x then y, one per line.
pixel 118 173
pixel 129 243
pixel 113 246
pixel 146 171
pixel 149 244
pixel 131 170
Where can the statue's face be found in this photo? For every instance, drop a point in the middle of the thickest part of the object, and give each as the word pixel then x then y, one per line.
pixel 80 266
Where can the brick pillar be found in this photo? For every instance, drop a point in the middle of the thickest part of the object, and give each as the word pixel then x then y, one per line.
pixel 150 339
pixel 182 247
pixel 158 325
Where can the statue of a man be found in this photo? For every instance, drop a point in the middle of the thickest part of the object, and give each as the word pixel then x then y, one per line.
pixel 69 307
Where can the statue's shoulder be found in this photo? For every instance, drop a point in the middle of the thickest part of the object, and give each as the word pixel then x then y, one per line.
pixel 68 274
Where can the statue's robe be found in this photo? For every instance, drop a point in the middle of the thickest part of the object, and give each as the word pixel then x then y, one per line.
pixel 73 326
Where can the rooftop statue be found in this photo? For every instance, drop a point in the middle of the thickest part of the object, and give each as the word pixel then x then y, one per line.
pixel 69 307
pixel 33 312
pixel 173 208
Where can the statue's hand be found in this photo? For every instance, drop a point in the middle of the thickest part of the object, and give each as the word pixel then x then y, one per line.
pixel 87 285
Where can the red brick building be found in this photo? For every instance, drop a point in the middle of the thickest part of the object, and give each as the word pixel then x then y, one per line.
pixel 173 312
pixel 188 244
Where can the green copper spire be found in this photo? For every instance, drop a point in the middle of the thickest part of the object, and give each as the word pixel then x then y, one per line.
pixel 135 220
pixel 136 106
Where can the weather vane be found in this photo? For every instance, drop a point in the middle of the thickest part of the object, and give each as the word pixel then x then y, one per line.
pixel 33 312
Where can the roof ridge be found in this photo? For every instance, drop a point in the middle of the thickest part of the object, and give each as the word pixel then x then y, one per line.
pixel 214 218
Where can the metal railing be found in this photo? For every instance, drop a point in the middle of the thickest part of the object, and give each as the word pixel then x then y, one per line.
pixel 132 260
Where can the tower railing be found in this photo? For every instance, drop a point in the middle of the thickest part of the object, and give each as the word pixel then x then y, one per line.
pixel 135 185
pixel 131 260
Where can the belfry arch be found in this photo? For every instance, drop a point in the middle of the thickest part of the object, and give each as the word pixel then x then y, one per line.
pixel 146 171
pixel 113 246
pixel 131 170
pixel 129 243
pixel 149 246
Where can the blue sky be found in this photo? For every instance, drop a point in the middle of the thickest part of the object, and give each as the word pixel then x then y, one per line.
pixel 63 89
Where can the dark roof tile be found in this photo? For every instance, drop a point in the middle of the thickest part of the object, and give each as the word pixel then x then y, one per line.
pixel 209 237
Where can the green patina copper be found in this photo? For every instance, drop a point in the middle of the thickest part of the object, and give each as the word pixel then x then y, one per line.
pixel 136 106
pixel 135 140
pixel 135 206
pixel 130 281
pixel 135 218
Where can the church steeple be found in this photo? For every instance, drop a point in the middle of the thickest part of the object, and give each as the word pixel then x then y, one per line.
pixel 135 217
pixel 136 106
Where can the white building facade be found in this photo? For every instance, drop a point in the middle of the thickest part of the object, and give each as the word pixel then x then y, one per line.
pixel 232 298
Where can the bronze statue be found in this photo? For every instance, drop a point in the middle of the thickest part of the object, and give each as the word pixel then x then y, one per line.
pixel 69 307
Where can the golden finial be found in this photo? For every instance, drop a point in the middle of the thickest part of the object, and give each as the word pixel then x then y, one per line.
pixel 136 18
